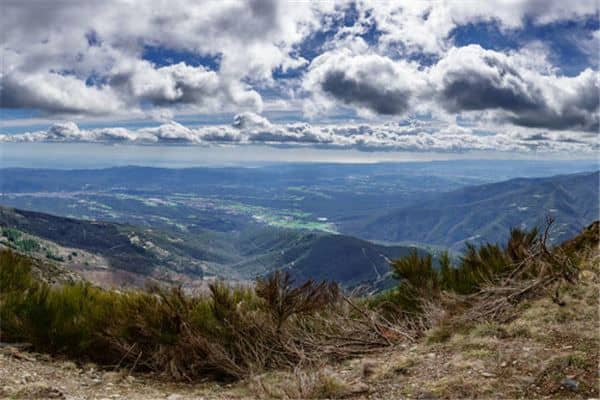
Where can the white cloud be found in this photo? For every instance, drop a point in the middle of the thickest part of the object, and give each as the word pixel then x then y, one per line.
pixel 249 128
pixel 473 79
pixel 504 87
pixel 425 26
pixel 106 41
pixel 182 84
pixel 249 120
pixel 56 93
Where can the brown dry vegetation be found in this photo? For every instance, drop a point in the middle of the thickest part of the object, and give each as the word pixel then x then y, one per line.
pixel 542 348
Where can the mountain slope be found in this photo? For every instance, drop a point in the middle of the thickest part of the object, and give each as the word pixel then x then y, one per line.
pixel 487 212
pixel 322 256
pixel 96 237
pixel 184 257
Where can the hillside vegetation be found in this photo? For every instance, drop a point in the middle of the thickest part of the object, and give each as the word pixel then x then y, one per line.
pixel 243 333
pixel 187 258
pixel 484 213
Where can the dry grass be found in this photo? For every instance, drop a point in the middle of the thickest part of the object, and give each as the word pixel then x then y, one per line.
pixel 321 383
pixel 530 356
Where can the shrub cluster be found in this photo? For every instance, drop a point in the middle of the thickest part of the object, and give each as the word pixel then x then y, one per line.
pixel 227 333
pixel 420 280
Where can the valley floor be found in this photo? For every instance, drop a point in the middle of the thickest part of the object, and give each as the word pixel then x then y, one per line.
pixel 548 351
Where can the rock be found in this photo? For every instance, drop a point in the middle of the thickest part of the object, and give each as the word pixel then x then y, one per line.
pixel 69 365
pixel 503 364
pixel 488 374
pixel 427 396
pixel 21 356
pixel 96 381
pixel 112 376
pixel 587 275
pixel 358 388
pixel 6 391
pixel 174 396
pixel 570 384
pixel 90 367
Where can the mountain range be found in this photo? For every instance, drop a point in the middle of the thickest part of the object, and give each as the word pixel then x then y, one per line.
pixel 128 255
pixel 126 225
pixel 487 212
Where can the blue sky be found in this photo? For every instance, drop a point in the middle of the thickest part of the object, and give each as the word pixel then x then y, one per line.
pixel 424 77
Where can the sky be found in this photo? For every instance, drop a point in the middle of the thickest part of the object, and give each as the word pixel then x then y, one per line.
pixel 373 80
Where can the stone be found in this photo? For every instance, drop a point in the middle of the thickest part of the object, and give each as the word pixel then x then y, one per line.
pixel 358 388
pixel 570 384
pixel 112 376
pixel 427 396
pixel 587 275
pixel 69 365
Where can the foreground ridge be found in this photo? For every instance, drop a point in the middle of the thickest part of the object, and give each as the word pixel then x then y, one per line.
pixel 547 347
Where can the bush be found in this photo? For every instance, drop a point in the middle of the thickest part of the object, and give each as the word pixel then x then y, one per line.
pixel 51 256
pixel 420 281
pixel 227 334
pixel 11 234
pixel 28 245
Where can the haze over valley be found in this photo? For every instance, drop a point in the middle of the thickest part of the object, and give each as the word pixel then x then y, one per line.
pixel 343 222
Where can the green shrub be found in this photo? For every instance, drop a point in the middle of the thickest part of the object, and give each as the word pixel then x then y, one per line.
pixel 28 245
pixel 11 234
pixel 420 281
pixel 51 256
pixel 225 334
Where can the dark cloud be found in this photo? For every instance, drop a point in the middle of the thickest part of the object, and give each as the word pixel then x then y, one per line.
pixel 364 94
pixel 365 81
pixel 474 79
pixel 56 93
pixel 469 89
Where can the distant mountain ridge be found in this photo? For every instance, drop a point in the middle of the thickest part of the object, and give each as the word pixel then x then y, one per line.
pixel 487 212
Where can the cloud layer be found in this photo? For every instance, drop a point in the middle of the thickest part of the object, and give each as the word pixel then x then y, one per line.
pixel 249 128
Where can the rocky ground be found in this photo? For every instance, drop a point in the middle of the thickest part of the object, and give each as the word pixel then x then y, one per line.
pixel 548 351
pixel 26 375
